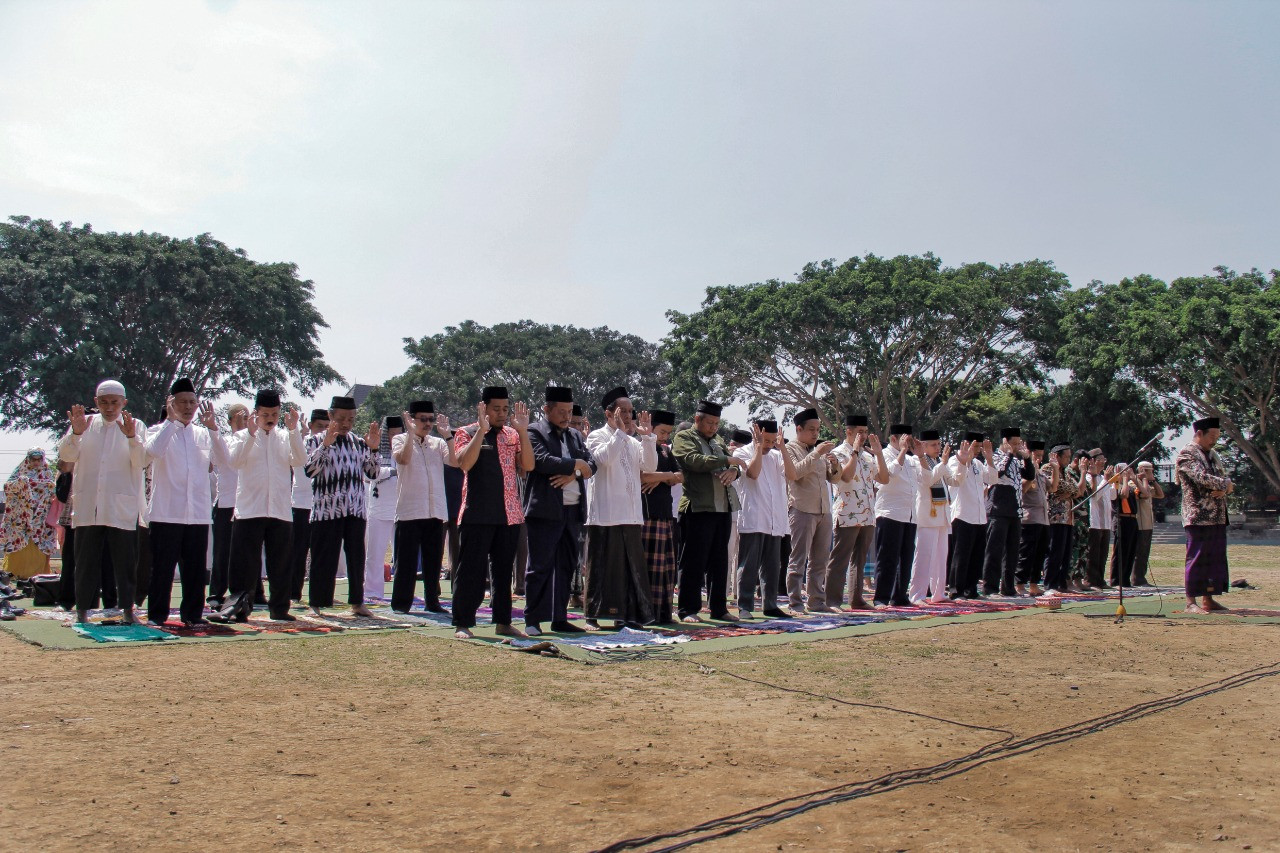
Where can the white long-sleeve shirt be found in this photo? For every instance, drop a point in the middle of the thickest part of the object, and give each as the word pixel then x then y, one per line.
pixel 940 477
pixel 420 484
pixel 897 499
pixel 613 493
pixel 180 455
pixel 1101 494
pixel 969 495
pixel 263 461
pixel 107 487
pixel 764 499
pixel 302 495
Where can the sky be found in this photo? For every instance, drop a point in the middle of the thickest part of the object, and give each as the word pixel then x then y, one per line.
pixel 598 163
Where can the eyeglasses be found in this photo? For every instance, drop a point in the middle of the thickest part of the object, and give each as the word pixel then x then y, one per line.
pixel 425 419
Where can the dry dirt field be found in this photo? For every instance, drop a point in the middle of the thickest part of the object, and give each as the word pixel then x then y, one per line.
pixel 394 741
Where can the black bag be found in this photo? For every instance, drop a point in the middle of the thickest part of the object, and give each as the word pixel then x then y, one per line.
pixel 44 590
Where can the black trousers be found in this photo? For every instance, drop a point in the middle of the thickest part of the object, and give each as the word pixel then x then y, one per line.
pixel 454 543
pixel 220 574
pixel 1001 560
pixel 249 537
pixel 548 574
pixel 142 571
pixel 1057 561
pixel 328 538
pixel 895 552
pixel 704 558
pixel 418 542
pixel 1125 553
pixel 67 583
pixel 1096 556
pixel 1031 551
pixel 298 553
pixel 486 549
pixel 93 543
pixel 1142 559
pixel 181 546
pixel 968 545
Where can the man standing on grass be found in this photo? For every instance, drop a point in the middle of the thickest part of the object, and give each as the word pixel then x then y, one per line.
pixel 813 469
pixel 1205 487
pixel 489 451
pixel 421 505
pixel 762 521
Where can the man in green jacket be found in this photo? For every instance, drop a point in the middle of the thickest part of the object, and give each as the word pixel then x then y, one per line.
pixel 706 518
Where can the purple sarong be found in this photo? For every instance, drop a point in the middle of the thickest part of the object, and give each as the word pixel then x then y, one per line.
pixel 1206 559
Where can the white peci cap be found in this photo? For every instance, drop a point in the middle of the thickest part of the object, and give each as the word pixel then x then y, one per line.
pixel 109 386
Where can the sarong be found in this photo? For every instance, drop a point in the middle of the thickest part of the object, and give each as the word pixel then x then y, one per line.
pixel 1206 572
pixel 616 574
pixel 660 554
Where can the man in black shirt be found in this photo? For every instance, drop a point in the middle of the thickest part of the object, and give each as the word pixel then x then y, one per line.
pixel 658 533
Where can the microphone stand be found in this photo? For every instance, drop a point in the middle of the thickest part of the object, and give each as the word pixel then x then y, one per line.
pixel 1120 611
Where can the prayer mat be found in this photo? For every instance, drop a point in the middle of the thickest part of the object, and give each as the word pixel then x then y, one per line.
pixel 121 633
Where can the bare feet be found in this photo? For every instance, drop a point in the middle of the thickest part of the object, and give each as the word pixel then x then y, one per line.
pixel 510 631
pixel 1036 590
pixel 361 610
pixel 1192 607
pixel 1210 604
pixel 463 634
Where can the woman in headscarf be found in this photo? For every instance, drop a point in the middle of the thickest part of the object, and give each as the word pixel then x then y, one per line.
pixel 26 537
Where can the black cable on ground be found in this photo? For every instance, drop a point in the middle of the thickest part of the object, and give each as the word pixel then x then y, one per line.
pixel 788 807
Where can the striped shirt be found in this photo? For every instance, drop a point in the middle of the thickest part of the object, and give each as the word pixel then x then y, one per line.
pixel 338 474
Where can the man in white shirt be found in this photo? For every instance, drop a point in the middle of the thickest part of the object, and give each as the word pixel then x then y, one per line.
pixel 421 507
pixel 264 456
pixel 969 515
pixel 224 510
pixel 762 520
pixel 933 518
pixel 302 502
pixel 381 498
pixel 1102 491
pixel 895 520
pixel 106 494
pixel 616 572
pixel 853 512
pixel 181 452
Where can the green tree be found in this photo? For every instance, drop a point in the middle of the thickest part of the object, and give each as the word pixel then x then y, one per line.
pixel 452 367
pixel 1210 343
pixel 144 308
pixel 898 338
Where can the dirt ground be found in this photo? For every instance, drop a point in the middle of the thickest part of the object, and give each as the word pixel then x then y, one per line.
pixel 397 741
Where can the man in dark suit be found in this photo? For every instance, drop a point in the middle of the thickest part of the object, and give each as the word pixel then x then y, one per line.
pixel 555 499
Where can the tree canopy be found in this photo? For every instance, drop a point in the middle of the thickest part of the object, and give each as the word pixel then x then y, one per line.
pixel 144 308
pixel 900 339
pixel 453 366
pixel 1211 343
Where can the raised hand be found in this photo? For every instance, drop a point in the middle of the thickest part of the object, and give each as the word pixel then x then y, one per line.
pixel 373 435
pixel 127 424
pixel 824 448
pixel 946 454
pixel 519 417
pixel 79 421
pixel 411 426
pixel 170 410
pixel 987 448
pixel 207 417
pixel 442 424
pixel 482 418
pixel 858 441
pixel 965 453
pixel 330 435
pixel 780 442
pixel 874 441
pixel 253 422
pixel 291 418
pixel 644 424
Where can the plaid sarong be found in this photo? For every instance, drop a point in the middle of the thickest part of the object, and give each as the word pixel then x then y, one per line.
pixel 660 552
pixel 1206 572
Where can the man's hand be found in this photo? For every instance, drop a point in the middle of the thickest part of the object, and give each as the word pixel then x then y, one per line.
pixel 253 424
pixel 874 441
pixel 644 424
pixel 373 436
pixel 291 418
pixel 127 424
pixel 412 425
pixel 559 481
pixel 330 435
pixel 170 411
pixel 519 417
pixel 79 421
pixel 946 454
pixel 207 417
pixel 582 468
pixel 965 454
pixel 442 425
pixel 482 418
pixel 987 448
pixel 727 477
